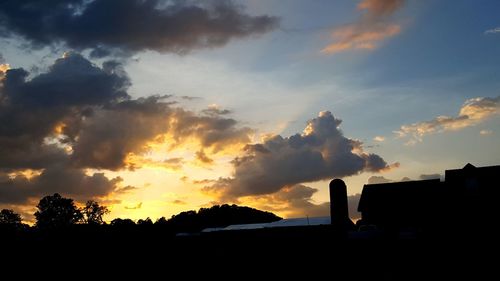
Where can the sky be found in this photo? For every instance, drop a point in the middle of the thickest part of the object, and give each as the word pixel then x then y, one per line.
pixel 155 107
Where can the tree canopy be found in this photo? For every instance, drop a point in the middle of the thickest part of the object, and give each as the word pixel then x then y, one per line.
pixel 9 217
pixel 218 216
pixel 55 211
pixel 92 212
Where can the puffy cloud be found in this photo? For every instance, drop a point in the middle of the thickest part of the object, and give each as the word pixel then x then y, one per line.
pixel 80 113
pixel 369 30
pixel 212 132
pixel 51 103
pixel 19 189
pixel 472 112
pixel 124 26
pixel 320 152
pixel 379 138
pixel 106 138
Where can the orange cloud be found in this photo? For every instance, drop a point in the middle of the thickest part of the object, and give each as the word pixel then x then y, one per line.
pixel 380 7
pixel 369 30
pixel 472 112
pixel 4 67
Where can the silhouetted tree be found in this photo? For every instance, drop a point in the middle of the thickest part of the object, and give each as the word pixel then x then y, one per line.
pixel 9 217
pixel 145 222
pixel 219 216
pixel 93 212
pixel 55 211
pixel 122 222
pixel 161 221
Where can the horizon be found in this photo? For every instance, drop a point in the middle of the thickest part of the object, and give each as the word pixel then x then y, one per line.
pixel 252 103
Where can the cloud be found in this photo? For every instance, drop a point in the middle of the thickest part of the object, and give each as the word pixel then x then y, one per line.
pixel 52 103
pixel 493 30
pixel 472 112
pixel 179 202
pixel 296 201
pixel 214 110
pixel 202 158
pixel 379 138
pixel 125 26
pixel 204 181
pixel 137 161
pixel 212 132
pixel 372 27
pixel 485 132
pixel 320 152
pixel 429 176
pixel 78 115
pixel 189 98
pixel 138 206
pixel 19 189
pixel 81 114
pixel 378 179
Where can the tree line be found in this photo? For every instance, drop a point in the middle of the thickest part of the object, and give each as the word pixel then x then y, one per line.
pixel 57 212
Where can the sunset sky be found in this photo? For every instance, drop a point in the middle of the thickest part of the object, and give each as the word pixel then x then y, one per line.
pixel 155 107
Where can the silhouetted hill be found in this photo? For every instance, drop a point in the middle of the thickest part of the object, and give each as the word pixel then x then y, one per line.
pixel 217 216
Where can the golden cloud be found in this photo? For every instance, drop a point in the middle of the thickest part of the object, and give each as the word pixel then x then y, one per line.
pixel 472 112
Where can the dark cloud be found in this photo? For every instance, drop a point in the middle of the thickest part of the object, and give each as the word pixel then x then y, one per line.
pixel 70 81
pixel 296 201
pixel 78 115
pixel 320 152
pixel 204 181
pixel 33 110
pixel 81 114
pixel 125 26
pixel 138 206
pixel 189 98
pixel 74 183
pixel 213 132
pixel 353 202
pixel 215 110
pixel 110 134
pixel 429 176
pixel 125 189
pixel 378 179
pixel 179 202
pixel 203 158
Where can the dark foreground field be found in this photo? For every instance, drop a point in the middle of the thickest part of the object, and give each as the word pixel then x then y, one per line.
pixel 319 251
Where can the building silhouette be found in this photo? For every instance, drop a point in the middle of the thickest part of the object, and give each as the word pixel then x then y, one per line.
pixel 465 199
